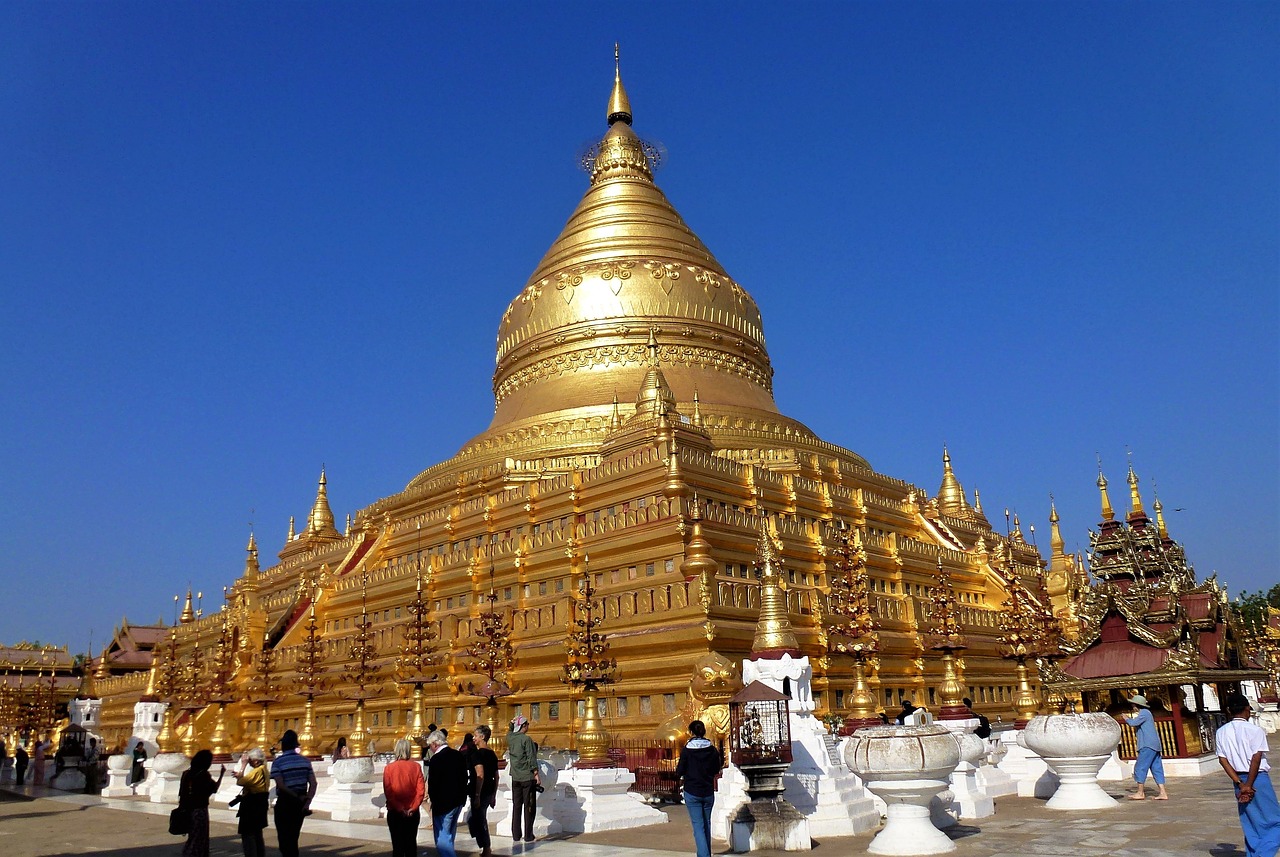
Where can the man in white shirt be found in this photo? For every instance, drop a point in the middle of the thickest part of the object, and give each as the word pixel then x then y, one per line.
pixel 1242 749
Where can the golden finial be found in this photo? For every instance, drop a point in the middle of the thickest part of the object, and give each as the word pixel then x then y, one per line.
pixel 977 501
pixel 619 105
pixel 1135 499
pixel 616 420
pixel 188 615
pixel 774 635
pixel 292 533
pixel 320 522
pixel 1056 543
pixel 697 411
pixel 251 567
pixel 1159 507
pixel 1108 514
pixel 951 499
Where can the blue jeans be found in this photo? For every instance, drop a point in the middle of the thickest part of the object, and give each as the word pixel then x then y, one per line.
pixel 445 828
pixel 700 816
pixel 1148 760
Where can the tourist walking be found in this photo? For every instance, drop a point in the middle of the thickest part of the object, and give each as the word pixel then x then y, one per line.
pixel 1242 752
pixel 1150 751
pixel 295 787
pixel 42 748
pixel 404 787
pixel 700 762
pixel 255 787
pixel 138 772
pixel 482 771
pixel 522 762
pixel 447 791
pixel 20 759
pixel 194 791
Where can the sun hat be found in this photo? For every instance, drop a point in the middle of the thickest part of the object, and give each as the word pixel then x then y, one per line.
pixel 1139 699
pixel 518 722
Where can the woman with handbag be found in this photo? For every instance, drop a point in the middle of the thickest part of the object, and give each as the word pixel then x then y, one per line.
pixel 194 791
pixel 254 787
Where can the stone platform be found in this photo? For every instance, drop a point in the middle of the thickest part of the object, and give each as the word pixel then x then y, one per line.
pixel 1198 821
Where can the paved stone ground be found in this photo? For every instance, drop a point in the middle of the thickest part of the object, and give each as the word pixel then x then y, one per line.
pixel 1200 820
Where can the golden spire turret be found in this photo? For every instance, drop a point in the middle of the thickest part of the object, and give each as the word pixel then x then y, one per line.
pixel 1108 514
pixel 293 534
pixel 977 502
pixel 616 419
pixel 320 522
pixel 251 567
pixel 697 411
pixel 1056 544
pixel 697 556
pixel 188 615
pixel 1160 525
pixel 655 398
pixel 619 104
pixel 951 499
pixel 774 635
pixel 1135 499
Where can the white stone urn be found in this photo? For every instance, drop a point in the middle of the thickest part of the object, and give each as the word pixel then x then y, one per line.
pixel 1075 747
pixel 905 766
pixel 167 768
pixel 170 763
pixel 356 769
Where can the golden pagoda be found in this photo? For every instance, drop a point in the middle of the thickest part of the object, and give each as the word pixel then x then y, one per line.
pixel 634 420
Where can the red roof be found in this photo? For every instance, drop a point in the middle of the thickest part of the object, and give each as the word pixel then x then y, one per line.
pixel 1115 659
pixel 1198 605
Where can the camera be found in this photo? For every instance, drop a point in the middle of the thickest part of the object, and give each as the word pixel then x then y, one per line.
pixel 539 789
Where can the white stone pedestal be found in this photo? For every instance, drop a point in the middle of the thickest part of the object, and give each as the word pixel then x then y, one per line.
pixel 818 783
pixel 994 781
pixel 118 767
pixel 908 829
pixel 166 770
pixel 775 824
pixel 598 799
pixel 1078 783
pixel 353 802
pixel 549 806
pixel 968 798
pixel 1028 771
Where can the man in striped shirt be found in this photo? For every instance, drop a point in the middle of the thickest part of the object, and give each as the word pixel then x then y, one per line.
pixel 295 787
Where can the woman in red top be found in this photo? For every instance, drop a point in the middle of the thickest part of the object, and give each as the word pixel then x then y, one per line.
pixel 404 787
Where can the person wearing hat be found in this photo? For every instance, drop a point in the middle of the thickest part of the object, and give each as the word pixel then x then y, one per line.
pixel 522 762
pixel 1150 750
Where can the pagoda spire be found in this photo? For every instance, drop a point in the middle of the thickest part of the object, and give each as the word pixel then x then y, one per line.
pixel 1160 525
pixel 951 499
pixel 292 532
pixel 251 567
pixel 774 635
pixel 320 522
pixel 188 615
pixel 1056 544
pixel 1108 514
pixel 698 559
pixel 619 104
pixel 977 501
pixel 1135 499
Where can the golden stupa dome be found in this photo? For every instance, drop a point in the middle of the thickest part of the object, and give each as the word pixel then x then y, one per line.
pixel 624 267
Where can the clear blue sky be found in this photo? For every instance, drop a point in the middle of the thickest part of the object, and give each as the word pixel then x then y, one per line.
pixel 240 240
